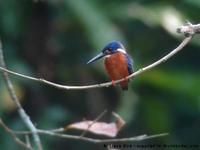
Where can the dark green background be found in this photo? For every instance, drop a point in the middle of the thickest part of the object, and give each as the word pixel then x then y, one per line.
pixel 54 39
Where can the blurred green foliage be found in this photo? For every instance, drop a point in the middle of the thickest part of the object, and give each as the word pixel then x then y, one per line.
pixel 54 40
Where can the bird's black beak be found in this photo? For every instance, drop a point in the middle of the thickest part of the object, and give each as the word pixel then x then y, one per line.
pixel 99 56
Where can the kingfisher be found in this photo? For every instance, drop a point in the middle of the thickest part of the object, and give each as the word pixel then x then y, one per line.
pixel 118 63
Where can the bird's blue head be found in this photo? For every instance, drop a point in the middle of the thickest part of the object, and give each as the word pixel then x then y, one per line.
pixel 109 49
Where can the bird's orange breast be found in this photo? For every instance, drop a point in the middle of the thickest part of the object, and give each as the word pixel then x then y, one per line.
pixel 117 68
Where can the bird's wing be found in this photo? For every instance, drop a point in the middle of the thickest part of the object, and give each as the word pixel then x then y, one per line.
pixel 130 64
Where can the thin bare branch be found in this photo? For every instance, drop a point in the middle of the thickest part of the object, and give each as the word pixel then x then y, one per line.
pixel 107 84
pixel 93 140
pixel 28 143
pixel 189 29
pixel 55 133
pixel 17 140
pixel 25 118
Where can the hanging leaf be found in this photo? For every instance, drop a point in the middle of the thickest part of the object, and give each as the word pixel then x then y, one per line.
pixel 100 128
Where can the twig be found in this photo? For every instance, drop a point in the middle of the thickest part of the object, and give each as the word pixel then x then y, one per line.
pixel 12 133
pixel 106 84
pixel 187 29
pixel 55 133
pixel 28 143
pixel 25 118
pixel 93 140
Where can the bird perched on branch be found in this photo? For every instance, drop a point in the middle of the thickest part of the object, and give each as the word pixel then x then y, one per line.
pixel 118 63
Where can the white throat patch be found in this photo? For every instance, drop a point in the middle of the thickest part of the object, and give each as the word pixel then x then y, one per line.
pixel 121 50
pixel 107 56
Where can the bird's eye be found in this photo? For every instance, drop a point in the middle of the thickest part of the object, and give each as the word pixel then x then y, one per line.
pixel 107 51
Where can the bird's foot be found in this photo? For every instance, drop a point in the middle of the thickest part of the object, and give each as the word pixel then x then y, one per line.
pixel 113 83
pixel 126 78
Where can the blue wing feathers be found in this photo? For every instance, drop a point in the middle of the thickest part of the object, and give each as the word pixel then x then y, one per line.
pixel 130 63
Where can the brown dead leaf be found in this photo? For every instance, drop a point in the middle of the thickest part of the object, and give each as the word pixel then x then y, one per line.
pixel 100 128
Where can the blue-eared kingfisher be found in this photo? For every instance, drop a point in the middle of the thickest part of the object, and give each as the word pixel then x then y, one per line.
pixel 118 63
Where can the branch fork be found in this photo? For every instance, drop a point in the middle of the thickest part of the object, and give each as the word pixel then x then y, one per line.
pixel 188 29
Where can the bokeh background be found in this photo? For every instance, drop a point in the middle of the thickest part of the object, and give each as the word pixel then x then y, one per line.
pixel 54 39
